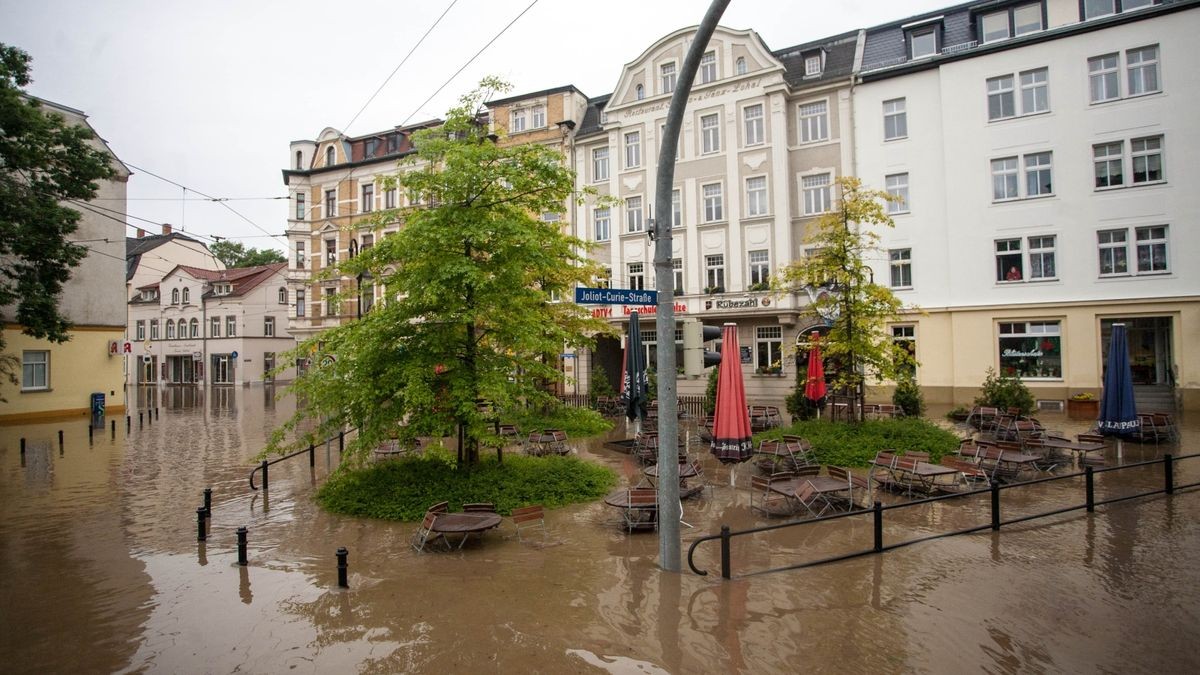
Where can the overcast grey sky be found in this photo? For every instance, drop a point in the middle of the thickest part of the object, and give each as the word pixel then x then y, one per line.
pixel 209 94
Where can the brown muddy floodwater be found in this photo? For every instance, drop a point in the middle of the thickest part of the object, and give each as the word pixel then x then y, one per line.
pixel 100 571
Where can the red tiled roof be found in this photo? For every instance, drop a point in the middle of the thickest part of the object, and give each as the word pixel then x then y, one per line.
pixel 243 279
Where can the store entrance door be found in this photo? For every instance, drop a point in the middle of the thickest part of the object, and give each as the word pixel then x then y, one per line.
pixel 1150 348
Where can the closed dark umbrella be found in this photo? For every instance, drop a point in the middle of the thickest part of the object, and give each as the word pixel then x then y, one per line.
pixel 636 383
pixel 732 440
pixel 814 384
pixel 1118 411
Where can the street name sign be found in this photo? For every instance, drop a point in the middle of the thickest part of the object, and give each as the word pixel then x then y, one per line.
pixel 615 296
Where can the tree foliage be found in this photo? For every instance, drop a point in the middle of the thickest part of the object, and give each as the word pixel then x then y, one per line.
pixel 1005 391
pixel 45 162
pixel 844 289
pixel 234 254
pixel 470 282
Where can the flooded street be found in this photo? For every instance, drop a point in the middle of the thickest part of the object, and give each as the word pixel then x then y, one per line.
pixel 100 571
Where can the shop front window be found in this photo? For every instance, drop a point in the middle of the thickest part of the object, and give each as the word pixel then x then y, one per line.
pixel 1031 349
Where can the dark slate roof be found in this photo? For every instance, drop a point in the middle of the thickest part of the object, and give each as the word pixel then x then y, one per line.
pixel 136 246
pixel 533 94
pixel 839 60
pixel 591 117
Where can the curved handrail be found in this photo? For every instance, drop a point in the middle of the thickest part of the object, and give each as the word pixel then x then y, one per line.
pixel 311 450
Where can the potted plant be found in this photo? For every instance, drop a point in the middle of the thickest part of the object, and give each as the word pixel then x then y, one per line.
pixel 1083 406
pixel 712 290
pixel 760 287
pixel 959 414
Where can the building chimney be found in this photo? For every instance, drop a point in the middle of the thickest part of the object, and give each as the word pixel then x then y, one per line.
pixel 141 233
pixel 166 228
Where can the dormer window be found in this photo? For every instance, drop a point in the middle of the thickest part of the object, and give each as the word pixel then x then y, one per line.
pixel 1009 22
pixel 222 289
pixel 739 66
pixel 299 160
pixel 149 295
pixel 640 92
pixel 329 155
pixel 1097 8
pixel 924 41
pixel 708 67
pixel 812 64
pixel 668 77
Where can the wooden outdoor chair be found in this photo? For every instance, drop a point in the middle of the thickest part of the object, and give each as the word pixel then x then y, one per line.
pixel 641 510
pixel 479 507
pixel 440 507
pixel 918 455
pixel 971 472
pixel 881 468
pixel 847 498
pixel 816 503
pixel 775 494
pixel 425 534
pixel 528 517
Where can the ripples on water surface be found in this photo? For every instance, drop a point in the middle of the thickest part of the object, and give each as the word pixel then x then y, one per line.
pixel 100 571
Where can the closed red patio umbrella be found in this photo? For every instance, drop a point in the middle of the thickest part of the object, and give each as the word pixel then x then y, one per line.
pixel 732 441
pixel 814 384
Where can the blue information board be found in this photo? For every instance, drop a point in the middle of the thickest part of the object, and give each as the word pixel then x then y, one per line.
pixel 615 296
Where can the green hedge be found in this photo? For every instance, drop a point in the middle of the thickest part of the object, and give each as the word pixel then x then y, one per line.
pixel 577 422
pixel 403 489
pixel 841 444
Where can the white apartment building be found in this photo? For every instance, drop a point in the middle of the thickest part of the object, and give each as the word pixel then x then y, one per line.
pixel 1043 151
pixel 218 327
pixel 764 136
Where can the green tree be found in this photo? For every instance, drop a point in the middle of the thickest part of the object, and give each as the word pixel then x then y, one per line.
pixel 470 278
pixel 234 254
pixel 45 162
pixel 844 289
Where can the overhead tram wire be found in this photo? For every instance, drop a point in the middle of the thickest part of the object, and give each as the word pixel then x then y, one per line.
pixel 202 194
pixel 469 62
pixel 88 207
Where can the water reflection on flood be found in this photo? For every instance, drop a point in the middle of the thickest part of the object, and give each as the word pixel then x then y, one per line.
pixel 98 551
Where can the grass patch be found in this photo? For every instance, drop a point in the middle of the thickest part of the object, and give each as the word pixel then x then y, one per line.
pixel 851 445
pixel 403 489
pixel 577 422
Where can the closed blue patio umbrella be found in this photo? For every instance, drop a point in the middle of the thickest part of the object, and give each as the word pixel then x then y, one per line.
pixel 1118 411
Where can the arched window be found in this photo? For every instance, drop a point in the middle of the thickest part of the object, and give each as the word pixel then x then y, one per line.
pixel 174 296
pixel 187 295
pixel 283 296
pixel 329 156
pixel 641 92
pixel 195 328
pixel 740 65
pixel 299 160
pixel 170 329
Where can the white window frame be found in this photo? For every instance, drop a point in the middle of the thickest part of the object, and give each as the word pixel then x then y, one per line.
pixel 895 111
pixel 753 124
pixel 537 117
pixel 1005 250
pixel 389 198
pixel 633 149
pixel 900 268
pixel 140 330
pixel 330 203
pixel 194 328
pixel 214 327
pixel 602 223
pixel 268 326
pixel 1033 166
pixel 1151 242
pixel 635 218
pixel 677 272
pixel 367 204
pixel 154 329
pixel 758 266
pixel 516 120
pixel 1017 94
pixel 757 198
pixel 300 209
pixel 600 164
pixel 932 31
pixel 1118 73
pixel 712 202
pixel 812 65
pixel 635 276
pixel 739 66
pixel 170 329
pixel 300 303
pixel 1043 258
pixel 768 347
pixel 35 370
pixel 813 120
pixel 1113 249
pixel 668 77
pixel 1139 68
pixel 1038 331
pixel 896 184
pixel 714 271
pixel 230 326
pixel 676 208
pixel 710 133
pixel 816 197
pixel 708 67
pixel 1146 154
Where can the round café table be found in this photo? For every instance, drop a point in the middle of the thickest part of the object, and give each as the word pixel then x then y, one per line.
pixel 465 524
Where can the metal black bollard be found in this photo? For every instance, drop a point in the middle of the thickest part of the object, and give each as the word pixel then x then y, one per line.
pixel 312 455
pixel 208 503
pixel 114 429
pixel 342 567
pixel 60 440
pixel 341 441
pixel 1089 484
pixel 241 536
pixel 22 447
pixel 263 467
pixel 1169 473
pixel 128 422
pixel 141 420
pixel 726 572
pixel 201 532
pixel 877 512
pixel 995 506
pixel 155 412
pixel 90 433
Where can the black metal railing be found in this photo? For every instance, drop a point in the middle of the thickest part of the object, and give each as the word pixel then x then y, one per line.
pixel 996 521
pixel 311 450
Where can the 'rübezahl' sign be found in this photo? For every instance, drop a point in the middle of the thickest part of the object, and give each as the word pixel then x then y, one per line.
pixel 615 296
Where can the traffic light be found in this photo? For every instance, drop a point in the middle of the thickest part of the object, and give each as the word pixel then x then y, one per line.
pixel 695 357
